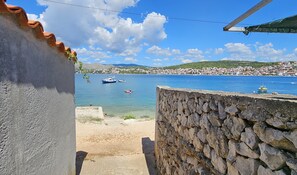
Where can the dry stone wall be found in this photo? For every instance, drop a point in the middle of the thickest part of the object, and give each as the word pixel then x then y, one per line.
pixel 203 132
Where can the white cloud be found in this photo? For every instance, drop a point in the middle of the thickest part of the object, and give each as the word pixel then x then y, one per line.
pixel 157 60
pixel 82 59
pixel 194 54
pixel 158 51
pixel 186 61
pixel 130 52
pixel 126 35
pixel 130 59
pixel 261 52
pixel 291 56
pixel 91 53
pixel 153 27
pixel 194 51
pixel 230 51
pixel 239 51
pixel 79 26
pixel 268 53
pixel 208 51
pixel 236 48
pixel 32 16
pixel 176 51
pixel 189 55
pixel 219 51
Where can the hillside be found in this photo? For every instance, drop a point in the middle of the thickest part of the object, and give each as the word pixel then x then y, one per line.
pixel 223 64
pixel 128 65
pixel 94 66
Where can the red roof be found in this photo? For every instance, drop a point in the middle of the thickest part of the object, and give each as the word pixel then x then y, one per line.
pixel 19 16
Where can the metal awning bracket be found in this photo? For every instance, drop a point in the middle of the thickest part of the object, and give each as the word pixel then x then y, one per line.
pixel 246 14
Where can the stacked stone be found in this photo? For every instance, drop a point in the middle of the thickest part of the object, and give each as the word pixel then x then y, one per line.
pixel 199 132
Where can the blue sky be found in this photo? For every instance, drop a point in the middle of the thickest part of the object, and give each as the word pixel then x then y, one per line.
pixel 147 32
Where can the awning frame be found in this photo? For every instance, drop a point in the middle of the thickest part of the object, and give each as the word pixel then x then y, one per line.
pixel 230 27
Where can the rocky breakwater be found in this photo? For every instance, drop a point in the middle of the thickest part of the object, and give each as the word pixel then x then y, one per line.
pixel 203 132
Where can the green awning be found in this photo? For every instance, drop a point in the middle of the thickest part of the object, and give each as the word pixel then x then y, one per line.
pixel 286 25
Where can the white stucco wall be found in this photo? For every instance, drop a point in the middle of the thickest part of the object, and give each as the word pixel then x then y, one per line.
pixel 37 120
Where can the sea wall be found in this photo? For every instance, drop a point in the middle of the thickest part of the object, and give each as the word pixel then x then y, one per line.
pixel 204 132
pixel 37 111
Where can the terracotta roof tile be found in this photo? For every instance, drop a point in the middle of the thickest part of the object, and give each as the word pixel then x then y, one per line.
pixel 19 16
pixel 60 46
pixel 51 39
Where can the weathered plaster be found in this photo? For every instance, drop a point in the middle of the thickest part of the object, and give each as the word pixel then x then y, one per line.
pixel 37 120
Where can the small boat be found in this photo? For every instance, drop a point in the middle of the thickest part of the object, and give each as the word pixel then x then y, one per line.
pixel 262 90
pixel 109 80
pixel 128 91
pixel 121 81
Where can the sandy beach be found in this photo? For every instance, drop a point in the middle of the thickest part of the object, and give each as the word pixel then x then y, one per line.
pixel 115 146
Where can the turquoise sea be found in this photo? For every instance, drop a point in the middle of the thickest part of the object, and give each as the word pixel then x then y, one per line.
pixel 143 99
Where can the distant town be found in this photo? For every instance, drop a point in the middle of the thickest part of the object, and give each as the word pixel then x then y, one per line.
pixel 275 69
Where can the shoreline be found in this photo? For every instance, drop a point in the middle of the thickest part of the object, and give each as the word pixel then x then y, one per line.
pixel 218 75
pixel 137 112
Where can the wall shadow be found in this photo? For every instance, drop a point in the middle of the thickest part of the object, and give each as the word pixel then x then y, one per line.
pixel 149 152
pixel 80 157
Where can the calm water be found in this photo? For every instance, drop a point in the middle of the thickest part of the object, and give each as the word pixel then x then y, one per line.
pixel 142 101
